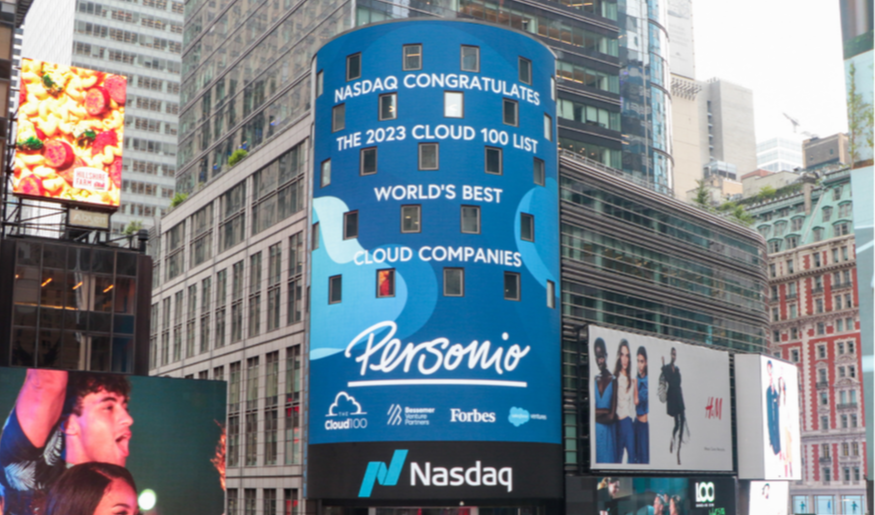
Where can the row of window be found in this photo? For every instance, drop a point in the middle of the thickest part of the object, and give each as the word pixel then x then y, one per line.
pixel 269 502
pixel 429 159
pixel 411 222
pixel 454 107
pixel 453 286
pixel 845 422
pixel 143 61
pixel 848 449
pixel 818 233
pixel 97 9
pixel 826 504
pixel 411 60
pixel 800 208
pixel 816 261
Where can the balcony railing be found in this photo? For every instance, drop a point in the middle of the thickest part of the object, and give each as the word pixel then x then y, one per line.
pixel 816 290
pixel 847 405
pixel 822 384
pixel 825 459
pixel 792 296
pixel 842 285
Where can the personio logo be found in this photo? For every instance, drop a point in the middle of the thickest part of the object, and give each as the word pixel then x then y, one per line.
pixel 394 415
pixel 378 473
pixel 518 416
pixel 457 415
pixel 705 494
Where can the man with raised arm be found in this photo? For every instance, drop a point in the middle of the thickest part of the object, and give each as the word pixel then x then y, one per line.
pixel 60 419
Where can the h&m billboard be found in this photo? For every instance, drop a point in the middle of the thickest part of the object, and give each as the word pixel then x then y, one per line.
pixel 434 301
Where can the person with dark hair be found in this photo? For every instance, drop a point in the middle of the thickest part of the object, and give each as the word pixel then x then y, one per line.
pixel 60 419
pixel 93 489
pixel 675 505
pixel 605 407
pixel 675 407
pixel 626 391
pixel 642 427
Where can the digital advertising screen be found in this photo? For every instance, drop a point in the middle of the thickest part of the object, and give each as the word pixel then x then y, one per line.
pixel 70 131
pixel 665 496
pixel 769 498
pixel 657 404
pixel 73 440
pixel 767 392
pixel 435 320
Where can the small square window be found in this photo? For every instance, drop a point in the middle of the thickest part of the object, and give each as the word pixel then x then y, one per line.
pixel 411 218
pixel 314 236
pixel 454 282
pixel 325 174
pixel 493 160
pixel 471 219
pixel 412 57
pixel 454 104
pixel 470 58
pixel 389 106
pixel 368 158
pixel 320 80
pixel 386 283
pixel 429 158
pixel 338 118
pixel 527 227
pixel 551 294
pixel 540 173
pixel 525 71
pixel 335 289
pixel 354 66
pixel 509 112
pixel 511 286
pixel 548 127
pixel 350 225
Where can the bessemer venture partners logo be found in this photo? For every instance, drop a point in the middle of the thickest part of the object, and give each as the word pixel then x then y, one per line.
pixel 378 473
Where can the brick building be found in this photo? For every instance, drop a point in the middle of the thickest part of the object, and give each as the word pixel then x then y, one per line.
pixel 814 311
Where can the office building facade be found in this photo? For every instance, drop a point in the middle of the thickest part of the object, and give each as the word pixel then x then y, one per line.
pixel 815 323
pixel 820 152
pixel 780 154
pixel 727 125
pixel 142 41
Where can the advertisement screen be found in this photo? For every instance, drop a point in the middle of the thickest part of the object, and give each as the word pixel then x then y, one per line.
pixel 767 393
pixel 79 439
pixel 665 496
pixel 70 129
pixel 658 404
pixel 434 302
pixel 769 498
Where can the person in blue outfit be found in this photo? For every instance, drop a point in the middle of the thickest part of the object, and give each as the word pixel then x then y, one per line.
pixel 605 408
pixel 626 392
pixel 642 427
pixel 773 407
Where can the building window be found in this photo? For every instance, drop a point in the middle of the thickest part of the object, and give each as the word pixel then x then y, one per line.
pixel 454 282
pixel 818 305
pixel 525 71
pixel 820 329
pixel 840 326
pixel 255 294
pixel 539 172
pixel 774 246
pixel 772 269
pixel 852 371
pixel 411 219
pixel 821 374
pixel 320 81
pixel 776 338
pixel 471 219
pixel 454 104
pixel 824 399
pixel 510 112
pixel 824 422
pixel 293 407
pixel 821 352
pixel 548 127
pixel 792 242
pixel 386 283
pixel 389 106
pixel 335 289
pixel 853 419
pixel 842 229
pixel 470 58
pixel 794 356
pixel 350 225
pixel 776 315
pixel 527 227
pixel 290 498
pixel 249 501
pixel 412 57
pixel 269 499
pixel 789 266
pixel 274 274
pixel 353 66
pixel 325 173
pixel 844 421
pixel 338 117
pixel 314 236
pixel 794 334
pixel 296 268
pixel 429 158
pixel 551 294
pixel 837 193
pixel 493 160
pixel 793 311
pixel 233 508
pixel 844 253
pixel 511 286
pixel 368 161
pixel 816 258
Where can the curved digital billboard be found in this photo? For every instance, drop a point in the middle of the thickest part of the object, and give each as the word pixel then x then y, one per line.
pixel 434 300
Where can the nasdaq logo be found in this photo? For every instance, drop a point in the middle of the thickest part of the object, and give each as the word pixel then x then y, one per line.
pixel 378 473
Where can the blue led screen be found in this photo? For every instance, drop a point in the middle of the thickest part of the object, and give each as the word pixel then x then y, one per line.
pixel 435 311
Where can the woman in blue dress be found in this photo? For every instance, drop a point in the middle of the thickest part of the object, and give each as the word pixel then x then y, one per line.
pixel 642 427
pixel 605 408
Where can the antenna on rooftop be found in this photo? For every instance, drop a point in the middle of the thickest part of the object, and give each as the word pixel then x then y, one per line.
pixel 796 125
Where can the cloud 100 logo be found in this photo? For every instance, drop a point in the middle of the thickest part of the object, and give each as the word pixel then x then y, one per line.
pixel 426 475
pixel 705 494
pixel 345 413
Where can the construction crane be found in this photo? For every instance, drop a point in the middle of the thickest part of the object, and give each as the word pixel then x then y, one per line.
pixel 796 125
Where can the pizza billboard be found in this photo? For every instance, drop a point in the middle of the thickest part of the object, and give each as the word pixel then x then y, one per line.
pixel 68 147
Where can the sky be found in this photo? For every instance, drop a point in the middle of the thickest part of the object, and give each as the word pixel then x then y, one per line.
pixel 788 52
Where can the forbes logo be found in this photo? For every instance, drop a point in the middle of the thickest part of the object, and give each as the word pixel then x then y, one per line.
pixel 378 473
pixel 457 415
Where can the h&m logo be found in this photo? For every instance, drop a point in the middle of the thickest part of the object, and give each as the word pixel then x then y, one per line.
pixel 378 473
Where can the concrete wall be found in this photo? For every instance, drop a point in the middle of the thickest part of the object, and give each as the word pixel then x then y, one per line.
pixel 685 140
pixel 732 125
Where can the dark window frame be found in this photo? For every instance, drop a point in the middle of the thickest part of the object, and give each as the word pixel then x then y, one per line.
pixel 335 127
pixel 404 56
pixel 346 217
pixel 362 171
pixel 462 94
pixel 331 282
pixel 504 103
pixel 462 219
pixel 461 282
pixel 500 160
pixel 531 218
pixel 419 218
pixel 437 156
pixel 322 182
pixel 543 174
pixel 392 281
pixel 394 116
pixel 462 58
pixel 349 59
pixel 517 279
pixel 528 64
